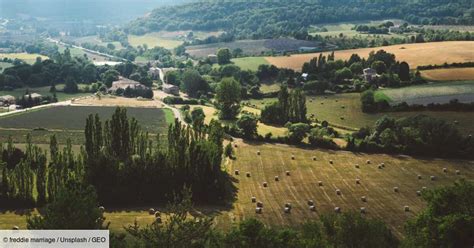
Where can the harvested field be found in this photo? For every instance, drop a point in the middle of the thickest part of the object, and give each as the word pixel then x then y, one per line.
pixel 68 122
pixel 449 74
pixel 27 57
pixel 118 101
pixel 154 40
pixel 414 54
pixel 302 185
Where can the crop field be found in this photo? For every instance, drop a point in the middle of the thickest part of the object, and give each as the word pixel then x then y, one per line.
pixel 153 40
pixel 29 58
pixel 251 47
pixel 414 54
pixel 250 63
pixel 344 111
pixel 449 74
pixel 302 185
pixel 77 52
pixel 432 93
pixel 69 122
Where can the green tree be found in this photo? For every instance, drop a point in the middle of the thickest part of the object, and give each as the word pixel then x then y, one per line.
pixel 75 207
pixel 228 97
pixel 223 56
pixel 248 124
pixel 368 101
pixel 404 71
pixel 448 220
pixel 109 77
pixel 297 132
pixel 379 66
pixel 197 116
pixel 193 84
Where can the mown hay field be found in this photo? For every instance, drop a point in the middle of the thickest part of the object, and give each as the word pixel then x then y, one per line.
pixel 434 53
pixel 302 184
pixel 449 74
pixel 68 122
pixel 344 110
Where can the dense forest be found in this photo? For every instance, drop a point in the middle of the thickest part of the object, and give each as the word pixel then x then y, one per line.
pixel 272 19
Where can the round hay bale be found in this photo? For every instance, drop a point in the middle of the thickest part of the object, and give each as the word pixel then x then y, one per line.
pixel 314 158
pixel 342 117
pixel 235 145
pixel 433 178
pixel 312 208
pixel 362 210
pixel 258 152
pixel 288 205
pixel 287 210
pixel 310 202
pixel 320 183
pixel 337 209
pixel 368 161
pixel 236 172
pixel 277 179
pixel 458 172
pixel 102 209
pixel 419 176
pixel 292 157
pixel 363 198
pixel 254 199
pixel 265 184
pixel 260 204
pixel 331 162
pixel 357 181
pixel 158 219
pixel 337 100
pixel 287 173
pixel 380 166
pixel 151 211
pixel 338 191
pixel 445 170
pixel 407 209
pixel 343 107
pixel 357 166
pixel 258 210
pixel 322 103
pixel 423 188
pixel 418 193
pixel 456 122
pixel 15 228
pixel 248 174
pixel 395 189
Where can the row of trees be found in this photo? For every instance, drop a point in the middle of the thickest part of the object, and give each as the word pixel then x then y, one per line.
pixel 290 107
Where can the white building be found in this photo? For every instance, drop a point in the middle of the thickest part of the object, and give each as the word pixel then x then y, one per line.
pixel 171 89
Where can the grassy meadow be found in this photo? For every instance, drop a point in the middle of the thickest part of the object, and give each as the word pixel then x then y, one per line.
pixel 29 58
pixel 153 40
pixel 346 28
pixel 344 111
pixel 434 53
pixel 250 63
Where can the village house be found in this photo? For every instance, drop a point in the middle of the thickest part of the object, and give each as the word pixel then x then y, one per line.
pixel 212 58
pixel 171 89
pixel 34 96
pixel 7 100
pixel 369 74
pixel 123 83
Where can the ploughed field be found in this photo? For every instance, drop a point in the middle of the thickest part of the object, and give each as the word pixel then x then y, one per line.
pixel 69 122
pixel 434 53
pixel 302 183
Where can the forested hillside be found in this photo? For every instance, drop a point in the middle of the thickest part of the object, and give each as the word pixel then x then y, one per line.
pixel 271 19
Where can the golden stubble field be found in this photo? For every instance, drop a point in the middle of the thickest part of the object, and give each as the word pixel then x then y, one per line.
pixel 414 54
pixel 305 173
pixel 449 74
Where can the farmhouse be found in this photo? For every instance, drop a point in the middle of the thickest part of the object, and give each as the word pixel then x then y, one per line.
pixel 154 72
pixel 369 74
pixel 212 58
pixel 123 83
pixel 171 89
pixel 7 100
pixel 33 96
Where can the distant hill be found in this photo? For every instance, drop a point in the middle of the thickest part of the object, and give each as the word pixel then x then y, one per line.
pixel 270 19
